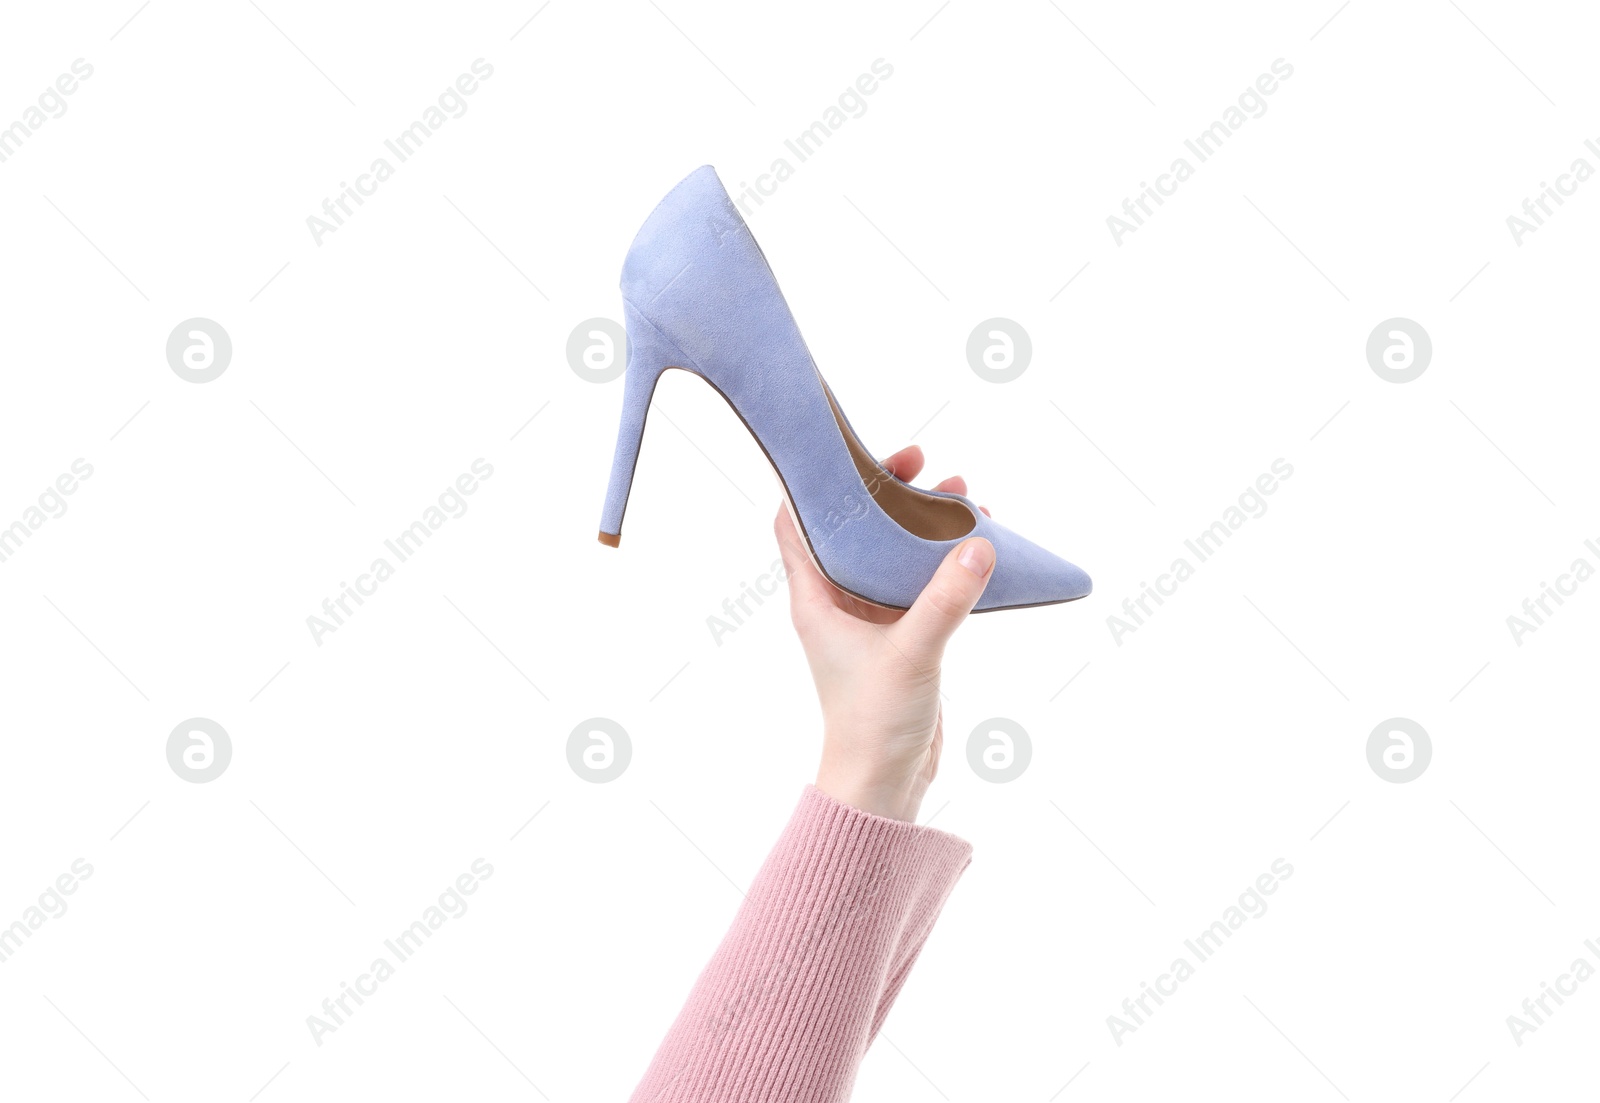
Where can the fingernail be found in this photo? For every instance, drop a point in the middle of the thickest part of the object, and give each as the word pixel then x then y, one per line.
pixel 976 556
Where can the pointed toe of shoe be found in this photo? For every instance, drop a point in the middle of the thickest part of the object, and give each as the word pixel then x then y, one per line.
pixel 1026 574
pixel 1068 581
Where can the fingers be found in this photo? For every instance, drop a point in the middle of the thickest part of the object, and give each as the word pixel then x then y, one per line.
pixel 955 484
pixel 905 464
pixel 947 598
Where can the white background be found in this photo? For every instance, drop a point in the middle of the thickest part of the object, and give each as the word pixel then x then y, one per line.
pixel 369 771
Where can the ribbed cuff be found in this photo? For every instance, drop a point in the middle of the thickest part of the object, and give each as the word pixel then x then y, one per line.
pixel 815 958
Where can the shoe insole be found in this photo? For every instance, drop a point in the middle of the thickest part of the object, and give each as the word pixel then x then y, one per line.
pixel 925 515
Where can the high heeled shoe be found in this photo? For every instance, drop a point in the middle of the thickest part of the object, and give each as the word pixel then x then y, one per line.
pixel 698 295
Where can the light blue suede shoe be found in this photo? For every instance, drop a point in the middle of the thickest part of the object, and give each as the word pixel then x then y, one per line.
pixel 698 295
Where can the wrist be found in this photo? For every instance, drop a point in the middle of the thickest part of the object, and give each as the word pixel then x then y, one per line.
pixel 889 796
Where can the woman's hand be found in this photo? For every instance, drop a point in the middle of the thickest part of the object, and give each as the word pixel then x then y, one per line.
pixel 877 670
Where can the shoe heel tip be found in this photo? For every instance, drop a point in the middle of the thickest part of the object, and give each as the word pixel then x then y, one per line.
pixel 611 539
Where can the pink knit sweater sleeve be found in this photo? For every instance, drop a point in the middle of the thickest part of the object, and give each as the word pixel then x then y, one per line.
pixel 786 1007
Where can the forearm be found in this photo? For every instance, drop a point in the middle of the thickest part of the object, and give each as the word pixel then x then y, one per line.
pixel 815 958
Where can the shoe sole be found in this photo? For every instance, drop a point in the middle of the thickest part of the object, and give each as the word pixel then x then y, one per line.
pixel 612 540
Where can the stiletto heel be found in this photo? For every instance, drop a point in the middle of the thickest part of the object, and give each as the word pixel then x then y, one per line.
pixel 698 294
pixel 649 354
